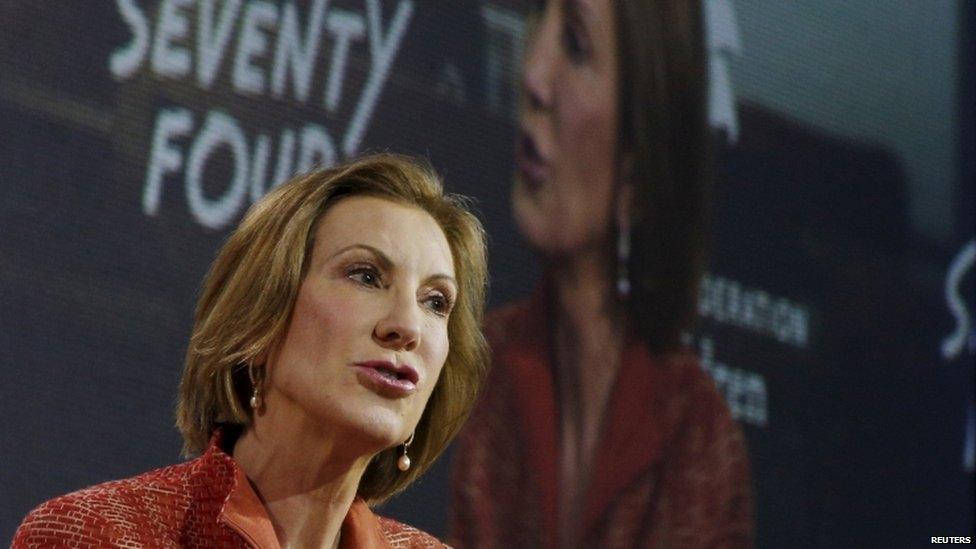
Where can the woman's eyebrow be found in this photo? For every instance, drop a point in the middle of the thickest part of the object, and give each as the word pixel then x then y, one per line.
pixel 387 264
pixel 441 276
pixel 383 259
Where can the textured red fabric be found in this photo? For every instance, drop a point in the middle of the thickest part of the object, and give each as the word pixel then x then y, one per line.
pixel 671 469
pixel 205 502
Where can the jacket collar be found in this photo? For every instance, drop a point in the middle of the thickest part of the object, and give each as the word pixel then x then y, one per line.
pixel 244 512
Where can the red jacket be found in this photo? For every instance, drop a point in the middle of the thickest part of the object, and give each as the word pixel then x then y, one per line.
pixel 205 502
pixel 671 469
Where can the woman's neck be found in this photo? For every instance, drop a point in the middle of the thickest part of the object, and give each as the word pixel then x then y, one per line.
pixel 585 306
pixel 589 332
pixel 306 478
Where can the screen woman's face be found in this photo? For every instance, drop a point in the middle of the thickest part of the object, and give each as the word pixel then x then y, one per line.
pixel 567 148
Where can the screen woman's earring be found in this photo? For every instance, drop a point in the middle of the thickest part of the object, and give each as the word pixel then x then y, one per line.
pixel 625 198
pixel 623 259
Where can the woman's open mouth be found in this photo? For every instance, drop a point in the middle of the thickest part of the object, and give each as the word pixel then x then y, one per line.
pixel 387 379
pixel 531 165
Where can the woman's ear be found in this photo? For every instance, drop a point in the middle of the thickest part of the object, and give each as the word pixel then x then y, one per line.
pixel 260 364
pixel 269 355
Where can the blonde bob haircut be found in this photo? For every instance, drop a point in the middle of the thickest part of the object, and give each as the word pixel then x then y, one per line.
pixel 249 294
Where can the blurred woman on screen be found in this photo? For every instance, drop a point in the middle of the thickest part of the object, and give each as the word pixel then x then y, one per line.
pixel 336 352
pixel 598 428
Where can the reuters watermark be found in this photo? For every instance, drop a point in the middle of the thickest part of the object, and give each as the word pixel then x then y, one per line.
pixel 952 539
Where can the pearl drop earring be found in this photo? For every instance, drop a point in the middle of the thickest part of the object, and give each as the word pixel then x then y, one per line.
pixel 403 462
pixel 256 395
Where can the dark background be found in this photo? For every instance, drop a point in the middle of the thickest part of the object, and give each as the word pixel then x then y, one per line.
pixel 843 194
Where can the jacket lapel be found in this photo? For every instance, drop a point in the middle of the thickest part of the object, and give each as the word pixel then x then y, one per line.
pixel 527 356
pixel 641 418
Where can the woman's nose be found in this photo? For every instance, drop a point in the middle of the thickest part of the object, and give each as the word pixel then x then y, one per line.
pixel 538 65
pixel 400 329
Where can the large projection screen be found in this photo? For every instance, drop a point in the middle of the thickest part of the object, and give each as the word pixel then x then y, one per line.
pixel 837 311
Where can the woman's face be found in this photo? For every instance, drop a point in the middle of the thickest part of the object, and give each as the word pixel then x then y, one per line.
pixel 563 198
pixel 368 335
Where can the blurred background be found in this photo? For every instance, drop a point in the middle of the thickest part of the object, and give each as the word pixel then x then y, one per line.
pixel 837 309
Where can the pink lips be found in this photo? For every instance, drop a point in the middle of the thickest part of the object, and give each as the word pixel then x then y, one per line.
pixel 531 163
pixel 387 379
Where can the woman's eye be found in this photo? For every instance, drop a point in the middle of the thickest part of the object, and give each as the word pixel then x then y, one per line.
pixel 365 275
pixel 573 44
pixel 534 16
pixel 439 303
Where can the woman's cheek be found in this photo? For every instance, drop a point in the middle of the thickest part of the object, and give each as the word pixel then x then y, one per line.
pixel 437 357
pixel 528 217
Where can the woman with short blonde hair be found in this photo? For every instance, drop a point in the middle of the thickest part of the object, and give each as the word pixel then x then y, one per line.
pixel 336 352
pixel 250 291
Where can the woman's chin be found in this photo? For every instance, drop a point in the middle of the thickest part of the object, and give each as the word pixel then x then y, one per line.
pixel 532 222
pixel 545 229
pixel 375 426
pixel 547 240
